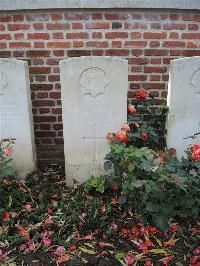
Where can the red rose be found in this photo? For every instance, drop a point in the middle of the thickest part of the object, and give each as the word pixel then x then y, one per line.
pixel 144 136
pixel 110 137
pixel 141 94
pixel 196 152
pixel 125 127
pixel 122 136
pixel 132 109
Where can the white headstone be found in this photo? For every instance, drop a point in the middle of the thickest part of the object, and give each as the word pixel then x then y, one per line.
pixel 94 102
pixel 184 104
pixel 16 119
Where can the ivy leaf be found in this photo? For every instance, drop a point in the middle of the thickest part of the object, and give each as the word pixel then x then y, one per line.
pixel 160 222
pixel 87 251
pixel 122 199
pixel 107 165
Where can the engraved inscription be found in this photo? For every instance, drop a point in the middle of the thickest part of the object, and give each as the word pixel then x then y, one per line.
pixel 3 83
pixel 93 81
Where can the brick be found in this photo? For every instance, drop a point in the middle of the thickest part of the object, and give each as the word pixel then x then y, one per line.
pixel 97 16
pixel 77 35
pixel 137 77
pixel 77 25
pixel 97 35
pixel 115 16
pixel 19 36
pixel 42 87
pixel 158 86
pixel 151 16
pixel 56 70
pixel 155 35
pixel 116 35
pixel 156 61
pixel 135 26
pixel 165 77
pixel 155 69
pixel 58 26
pixel 136 35
pixel 97 25
pixel 58 53
pixel 97 52
pixel 43 103
pixel 19 44
pixel 137 52
pixel 18 53
pixel 172 44
pixel 138 61
pixel 193 27
pixel 59 140
pixel 40 70
pixel 135 44
pixel 156 26
pixel 38 26
pixel 174 35
pixel 39 44
pixel 58 126
pixel 38 61
pixel 3 45
pixel 77 53
pixel 174 16
pixel 154 44
pixel 53 78
pixel 56 110
pixel 37 17
pixel 42 53
pixel 136 69
pixel 42 36
pixel 57 44
pixel 189 35
pixel 191 53
pixel 71 16
pixel 136 16
pixel 45 134
pixel 53 61
pixel 44 126
pixel 116 25
pixel 116 44
pixel 156 52
pixel 17 18
pixel 77 44
pixel 174 26
pixel 115 52
pixel 192 45
pixel 6 36
pixel 2 27
pixel 58 35
pixel 42 95
pixel 155 77
pixel 97 44
pixel 175 52
pixel 55 95
pixel 56 16
pixel 40 78
pixel 5 18
pixel 17 27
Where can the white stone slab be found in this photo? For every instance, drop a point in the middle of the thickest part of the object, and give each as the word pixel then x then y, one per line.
pixel 16 119
pixel 60 4
pixel 184 103
pixel 94 102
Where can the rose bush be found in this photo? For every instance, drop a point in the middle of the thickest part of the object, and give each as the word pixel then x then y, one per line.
pixel 6 150
pixel 150 179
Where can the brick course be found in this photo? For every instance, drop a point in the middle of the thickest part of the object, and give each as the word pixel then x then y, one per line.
pixel 149 40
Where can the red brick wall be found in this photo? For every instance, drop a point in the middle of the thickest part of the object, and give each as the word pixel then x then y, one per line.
pixel 148 39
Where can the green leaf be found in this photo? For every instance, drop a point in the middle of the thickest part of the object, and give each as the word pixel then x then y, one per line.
pixel 107 165
pixel 138 183
pixel 87 251
pixel 160 222
pixel 122 199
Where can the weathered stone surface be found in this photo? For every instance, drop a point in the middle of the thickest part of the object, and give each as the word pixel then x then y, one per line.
pixel 184 103
pixel 16 113
pixel 54 4
pixel 94 102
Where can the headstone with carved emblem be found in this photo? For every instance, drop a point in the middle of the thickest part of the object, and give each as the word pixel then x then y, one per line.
pixel 16 119
pixel 184 104
pixel 94 102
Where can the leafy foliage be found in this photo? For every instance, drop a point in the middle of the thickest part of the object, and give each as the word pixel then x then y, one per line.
pixel 95 182
pixel 5 157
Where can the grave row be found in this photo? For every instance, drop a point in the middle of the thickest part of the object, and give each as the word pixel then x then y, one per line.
pixel 94 102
